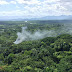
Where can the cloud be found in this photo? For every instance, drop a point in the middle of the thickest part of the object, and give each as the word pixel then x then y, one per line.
pixel 11 13
pixel 67 4
pixel 50 1
pixel 29 2
pixel 17 7
pixel 2 2
pixel 13 2
pixel 48 8
pixel 65 0
pixel 37 8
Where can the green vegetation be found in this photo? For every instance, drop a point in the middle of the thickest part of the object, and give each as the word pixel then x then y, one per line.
pixel 51 54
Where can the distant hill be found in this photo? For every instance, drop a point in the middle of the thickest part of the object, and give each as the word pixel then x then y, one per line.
pixel 18 18
pixel 62 17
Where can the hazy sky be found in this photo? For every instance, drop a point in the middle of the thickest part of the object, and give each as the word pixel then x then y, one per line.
pixel 35 8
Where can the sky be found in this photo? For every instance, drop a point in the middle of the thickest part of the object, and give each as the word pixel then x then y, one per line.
pixel 35 8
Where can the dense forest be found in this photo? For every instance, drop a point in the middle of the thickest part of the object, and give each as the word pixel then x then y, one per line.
pixel 48 54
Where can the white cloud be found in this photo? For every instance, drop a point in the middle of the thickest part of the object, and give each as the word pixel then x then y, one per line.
pixel 13 2
pixel 28 2
pixel 50 1
pixel 37 8
pixel 65 0
pixel 67 4
pixel 17 7
pixel 48 8
pixel 2 2
pixel 15 13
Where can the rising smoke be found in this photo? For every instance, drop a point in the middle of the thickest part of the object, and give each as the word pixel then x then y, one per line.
pixel 39 34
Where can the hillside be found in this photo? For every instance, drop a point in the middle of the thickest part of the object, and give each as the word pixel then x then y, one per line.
pixel 49 54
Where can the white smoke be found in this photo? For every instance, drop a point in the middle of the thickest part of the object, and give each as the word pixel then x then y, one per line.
pixel 26 35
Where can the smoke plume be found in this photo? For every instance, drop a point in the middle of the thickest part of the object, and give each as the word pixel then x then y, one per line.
pixel 39 34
